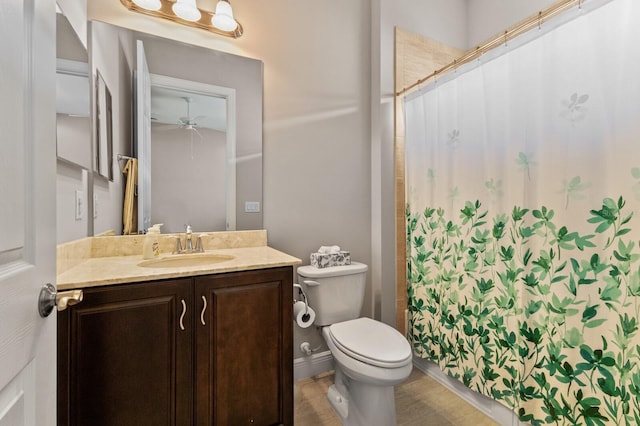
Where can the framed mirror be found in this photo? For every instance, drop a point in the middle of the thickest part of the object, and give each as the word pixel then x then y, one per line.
pixel 104 130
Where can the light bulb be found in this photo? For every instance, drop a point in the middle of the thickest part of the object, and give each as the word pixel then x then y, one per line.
pixel 223 18
pixel 187 10
pixel 148 4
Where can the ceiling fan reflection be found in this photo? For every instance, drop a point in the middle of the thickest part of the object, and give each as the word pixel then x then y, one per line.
pixel 187 123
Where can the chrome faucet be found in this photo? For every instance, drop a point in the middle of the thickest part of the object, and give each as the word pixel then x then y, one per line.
pixel 188 243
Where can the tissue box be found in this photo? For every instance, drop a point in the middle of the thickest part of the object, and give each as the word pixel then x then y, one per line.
pixel 325 260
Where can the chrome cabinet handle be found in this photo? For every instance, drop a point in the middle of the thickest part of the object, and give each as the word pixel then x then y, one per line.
pixel 204 309
pixel 184 311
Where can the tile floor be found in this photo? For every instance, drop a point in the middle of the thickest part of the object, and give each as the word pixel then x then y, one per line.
pixel 420 401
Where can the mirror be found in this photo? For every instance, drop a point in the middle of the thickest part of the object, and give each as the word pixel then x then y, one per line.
pixel 191 179
pixel 189 123
pixel 73 133
pixel 104 139
pixel 73 121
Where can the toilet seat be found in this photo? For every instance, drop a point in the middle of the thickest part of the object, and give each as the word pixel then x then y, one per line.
pixel 371 342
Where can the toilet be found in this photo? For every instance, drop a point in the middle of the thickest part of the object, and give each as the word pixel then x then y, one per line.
pixel 370 357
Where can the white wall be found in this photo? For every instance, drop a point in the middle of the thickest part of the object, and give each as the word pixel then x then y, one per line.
pixel 487 18
pixel 76 13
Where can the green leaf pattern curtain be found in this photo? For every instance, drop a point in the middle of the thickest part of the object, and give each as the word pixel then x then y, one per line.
pixel 523 220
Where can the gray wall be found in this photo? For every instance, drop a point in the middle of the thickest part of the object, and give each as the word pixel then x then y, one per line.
pixel 444 21
pixel 111 51
pixel 188 174
pixel 69 179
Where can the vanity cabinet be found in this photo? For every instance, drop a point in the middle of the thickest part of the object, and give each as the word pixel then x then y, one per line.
pixel 123 357
pixel 209 350
pixel 244 349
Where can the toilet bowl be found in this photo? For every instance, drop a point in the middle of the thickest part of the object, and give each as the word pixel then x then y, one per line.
pixel 370 357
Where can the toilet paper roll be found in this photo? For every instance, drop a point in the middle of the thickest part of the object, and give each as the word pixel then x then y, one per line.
pixel 302 318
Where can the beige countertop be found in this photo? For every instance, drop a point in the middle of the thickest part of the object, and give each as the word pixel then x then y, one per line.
pixel 121 266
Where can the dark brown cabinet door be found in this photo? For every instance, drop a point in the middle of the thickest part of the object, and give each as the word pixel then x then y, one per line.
pixel 125 356
pixel 244 370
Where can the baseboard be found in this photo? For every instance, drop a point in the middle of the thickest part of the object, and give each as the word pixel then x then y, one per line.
pixel 312 365
pixel 493 409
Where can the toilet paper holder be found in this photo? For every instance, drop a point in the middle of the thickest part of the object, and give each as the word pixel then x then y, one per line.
pixel 301 292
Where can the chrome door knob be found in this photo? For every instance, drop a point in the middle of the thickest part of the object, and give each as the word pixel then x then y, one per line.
pixel 49 298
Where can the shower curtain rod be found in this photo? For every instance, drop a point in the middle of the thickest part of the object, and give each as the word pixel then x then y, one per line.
pixel 528 24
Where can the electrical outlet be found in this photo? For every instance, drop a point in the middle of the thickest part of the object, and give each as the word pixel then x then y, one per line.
pixel 252 206
pixel 79 205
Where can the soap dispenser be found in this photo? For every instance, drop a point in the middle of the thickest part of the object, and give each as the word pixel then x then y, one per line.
pixel 151 246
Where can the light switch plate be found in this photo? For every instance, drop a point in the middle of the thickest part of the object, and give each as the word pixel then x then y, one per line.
pixel 79 205
pixel 252 206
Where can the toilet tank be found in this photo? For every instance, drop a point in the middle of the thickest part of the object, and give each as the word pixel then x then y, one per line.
pixel 336 293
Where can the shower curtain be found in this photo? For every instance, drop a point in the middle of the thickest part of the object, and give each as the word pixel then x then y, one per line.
pixel 523 221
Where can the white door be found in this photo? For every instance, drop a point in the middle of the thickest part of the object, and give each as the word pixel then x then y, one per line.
pixel 27 211
pixel 143 138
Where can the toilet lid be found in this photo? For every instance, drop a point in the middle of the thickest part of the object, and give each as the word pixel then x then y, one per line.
pixel 372 342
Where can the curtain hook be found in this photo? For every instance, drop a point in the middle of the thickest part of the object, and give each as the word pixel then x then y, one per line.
pixel 540 21
pixel 580 5
pixel 506 38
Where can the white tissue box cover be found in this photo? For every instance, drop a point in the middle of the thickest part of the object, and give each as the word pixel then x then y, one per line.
pixel 325 260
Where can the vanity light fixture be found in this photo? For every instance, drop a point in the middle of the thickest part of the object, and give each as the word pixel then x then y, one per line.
pixel 148 4
pixel 186 12
pixel 223 19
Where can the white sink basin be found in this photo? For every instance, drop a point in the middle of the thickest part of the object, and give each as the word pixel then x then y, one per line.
pixel 184 260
